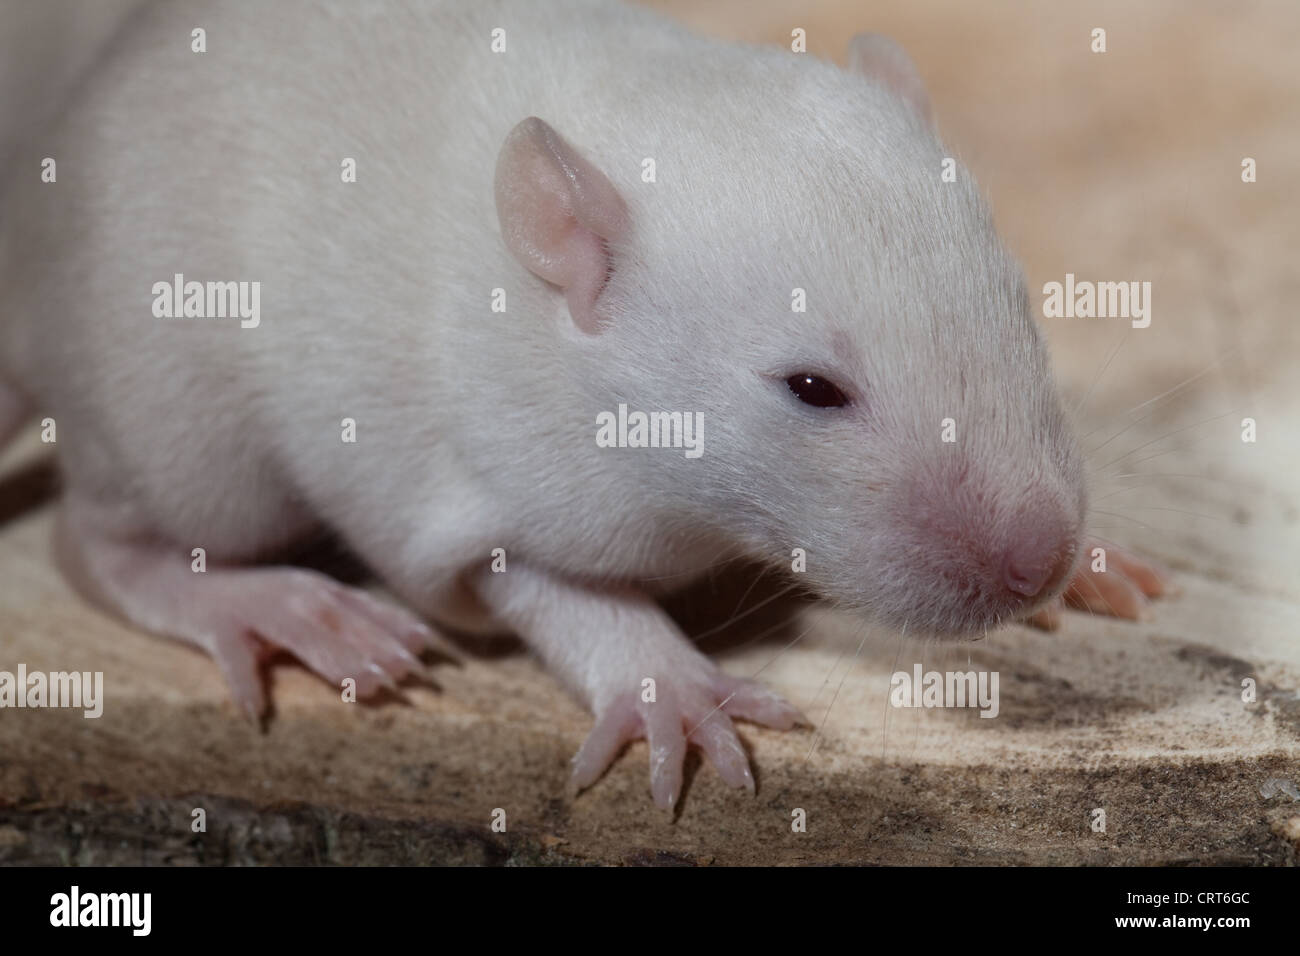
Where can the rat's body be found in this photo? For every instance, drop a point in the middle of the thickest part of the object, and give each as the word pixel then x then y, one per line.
pixel 475 429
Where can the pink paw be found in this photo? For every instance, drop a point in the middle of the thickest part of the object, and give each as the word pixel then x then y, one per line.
pixel 337 631
pixel 697 710
pixel 1121 590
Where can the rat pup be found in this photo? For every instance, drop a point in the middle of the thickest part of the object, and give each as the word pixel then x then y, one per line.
pixel 647 204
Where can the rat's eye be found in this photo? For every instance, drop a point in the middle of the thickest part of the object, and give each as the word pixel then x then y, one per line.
pixel 816 391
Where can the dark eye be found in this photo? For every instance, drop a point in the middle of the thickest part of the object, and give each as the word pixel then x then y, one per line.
pixel 816 391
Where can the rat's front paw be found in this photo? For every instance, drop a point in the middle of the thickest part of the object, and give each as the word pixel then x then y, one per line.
pixel 694 709
pixel 1120 591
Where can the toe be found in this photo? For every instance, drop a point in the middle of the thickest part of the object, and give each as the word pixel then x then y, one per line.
pixel 382 653
pixel 716 736
pixel 320 627
pixel 1048 617
pixel 238 655
pixel 414 635
pixel 311 626
pixel 663 723
pixel 612 731
pixel 748 700
pixel 1149 577
pixel 1105 592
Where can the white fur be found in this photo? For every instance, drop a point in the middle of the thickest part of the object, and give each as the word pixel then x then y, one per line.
pixel 476 429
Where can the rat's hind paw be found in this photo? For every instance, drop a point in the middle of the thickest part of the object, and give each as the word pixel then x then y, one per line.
pixel 238 614
pixel 695 711
pixel 1121 590
pixel 338 631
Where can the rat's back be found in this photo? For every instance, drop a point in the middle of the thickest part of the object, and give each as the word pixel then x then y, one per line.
pixel 337 156
pixel 215 142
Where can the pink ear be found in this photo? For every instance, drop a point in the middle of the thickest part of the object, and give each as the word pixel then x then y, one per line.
pixel 880 58
pixel 557 212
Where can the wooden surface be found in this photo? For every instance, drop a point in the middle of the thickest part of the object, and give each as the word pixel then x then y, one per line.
pixel 1122 166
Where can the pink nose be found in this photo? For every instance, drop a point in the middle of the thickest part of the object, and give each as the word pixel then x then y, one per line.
pixel 1036 558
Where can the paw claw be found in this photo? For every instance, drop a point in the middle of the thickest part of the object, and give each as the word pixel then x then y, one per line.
pixel 717 737
pixel 697 712
pixel 1048 617
pixel 749 700
pixel 384 678
pixel 1105 593
pixel 611 733
pixel 337 631
pixel 1123 590
pixel 667 740
pixel 238 655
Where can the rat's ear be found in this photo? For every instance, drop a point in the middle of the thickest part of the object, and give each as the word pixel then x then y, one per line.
pixel 880 58
pixel 557 214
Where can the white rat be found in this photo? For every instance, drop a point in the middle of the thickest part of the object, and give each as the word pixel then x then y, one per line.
pixel 518 161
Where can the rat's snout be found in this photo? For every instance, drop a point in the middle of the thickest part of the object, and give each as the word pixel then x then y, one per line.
pixel 1022 559
pixel 1038 556
pixel 987 554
